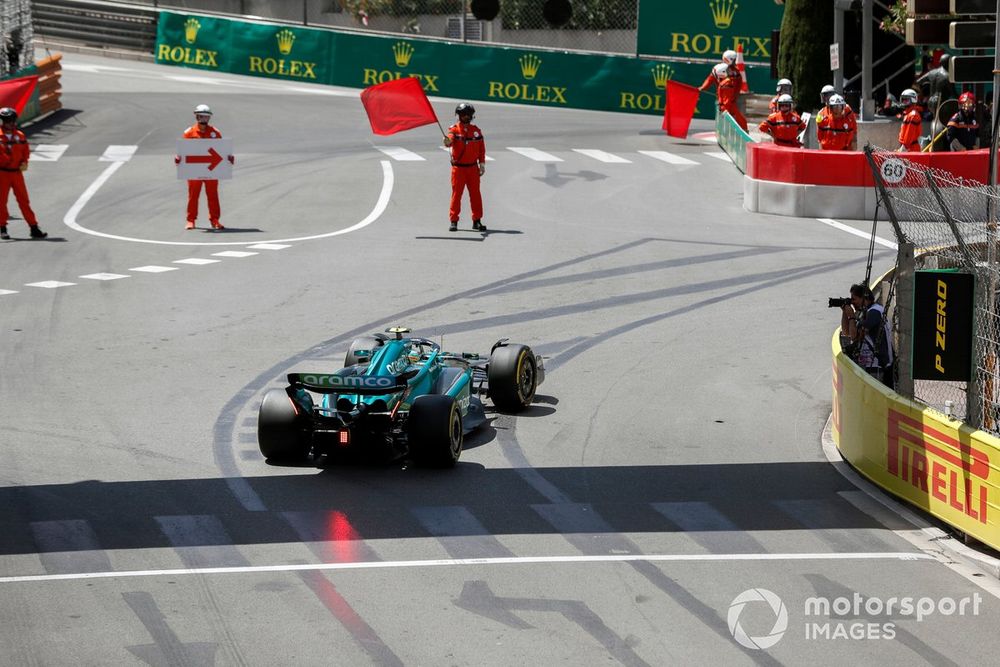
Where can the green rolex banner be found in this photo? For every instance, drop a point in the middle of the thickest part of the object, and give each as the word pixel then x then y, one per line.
pixel 447 69
pixel 706 28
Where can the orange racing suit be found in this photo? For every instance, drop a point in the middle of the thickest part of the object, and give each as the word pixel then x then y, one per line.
pixel 468 151
pixel 836 134
pixel 14 153
pixel 909 131
pixel 211 186
pixel 729 93
pixel 784 128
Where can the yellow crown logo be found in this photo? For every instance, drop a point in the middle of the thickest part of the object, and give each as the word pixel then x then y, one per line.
pixel 662 73
pixel 191 27
pixel 723 12
pixel 285 40
pixel 402 52
pixel 529 65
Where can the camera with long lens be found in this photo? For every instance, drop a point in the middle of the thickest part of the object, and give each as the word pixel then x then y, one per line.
pixel 838 302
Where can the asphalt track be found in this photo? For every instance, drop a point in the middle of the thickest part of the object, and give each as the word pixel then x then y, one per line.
pixel 671 462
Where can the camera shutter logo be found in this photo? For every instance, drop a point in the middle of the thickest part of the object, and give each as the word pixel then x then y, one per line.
pixel 780 618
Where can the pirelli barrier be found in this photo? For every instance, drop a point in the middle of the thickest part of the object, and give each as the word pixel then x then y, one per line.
pixel 446 69
pixel 939 464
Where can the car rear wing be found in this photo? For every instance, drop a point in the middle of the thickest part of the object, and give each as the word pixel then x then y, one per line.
pixel 332 383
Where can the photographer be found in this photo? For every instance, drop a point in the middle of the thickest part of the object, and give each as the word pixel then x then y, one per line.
pixel 863 322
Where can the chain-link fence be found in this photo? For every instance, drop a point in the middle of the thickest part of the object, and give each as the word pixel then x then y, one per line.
pixel 607 26
pixel 947 218
pixel 15 36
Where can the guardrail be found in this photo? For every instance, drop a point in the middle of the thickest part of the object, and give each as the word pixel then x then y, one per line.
pixel 96 23
pixel 732 139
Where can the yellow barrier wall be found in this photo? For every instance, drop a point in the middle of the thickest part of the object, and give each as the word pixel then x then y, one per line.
pixel 939 464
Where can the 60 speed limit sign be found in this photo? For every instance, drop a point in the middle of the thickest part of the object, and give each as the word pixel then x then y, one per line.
pixel 893 170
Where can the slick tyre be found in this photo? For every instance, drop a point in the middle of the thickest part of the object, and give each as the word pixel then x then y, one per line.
pixel 435 431
pixel 513 377
pixel 280 432
pixel 369 343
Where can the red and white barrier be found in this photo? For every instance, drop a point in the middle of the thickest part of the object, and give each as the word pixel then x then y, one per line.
pixel 832 184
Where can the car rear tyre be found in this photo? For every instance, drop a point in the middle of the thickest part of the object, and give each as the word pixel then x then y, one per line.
pixel 435 431
pixel 369 343
pixel 280 433
pixel 513 377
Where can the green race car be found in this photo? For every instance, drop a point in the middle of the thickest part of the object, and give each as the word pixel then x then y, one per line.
pixel 396 396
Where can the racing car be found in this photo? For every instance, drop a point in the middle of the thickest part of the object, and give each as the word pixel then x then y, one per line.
pixel 396 396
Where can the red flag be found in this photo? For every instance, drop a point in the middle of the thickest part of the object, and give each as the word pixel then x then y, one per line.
pixel 16 92
pixel 682 100
pixel 397 105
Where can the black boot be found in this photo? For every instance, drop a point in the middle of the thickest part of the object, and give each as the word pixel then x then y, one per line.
pixel 478 226
pixel 37 233
pixel 3 233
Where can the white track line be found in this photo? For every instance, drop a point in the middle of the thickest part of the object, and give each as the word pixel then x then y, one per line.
pixel 602 156
pixel 48 152
pixel 851 230
pixel 104 276
pixel 668 157
pixel 534 154
pixel 451 562
pixel 388 180
pixel 49 284
pixel 401 154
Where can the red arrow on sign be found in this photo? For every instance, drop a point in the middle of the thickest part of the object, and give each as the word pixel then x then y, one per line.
pixel 212 159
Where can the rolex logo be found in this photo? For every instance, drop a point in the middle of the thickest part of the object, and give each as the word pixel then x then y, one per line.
pixel 723 12
pixel 529 65
pixel 402 52
pixel 285 40
pixel 662 72
pixel 191 27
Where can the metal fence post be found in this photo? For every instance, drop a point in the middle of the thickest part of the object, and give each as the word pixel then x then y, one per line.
pixel 905 269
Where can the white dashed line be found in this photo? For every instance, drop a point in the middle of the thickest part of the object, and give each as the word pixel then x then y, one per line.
pixel 197 261
pixel 4 292
pixel 194 79
pixel 718 155
pixel 400 154
pixel 233 253
pixel 105 276
pixel 668 157
pixel 49 284
pixel 118 153
pixel 268 246
pixel 534 154
pixel 48 152
pixel 153 269
pixel 602 156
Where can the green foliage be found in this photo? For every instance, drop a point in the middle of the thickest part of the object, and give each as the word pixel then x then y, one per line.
pixel 804 53
pixel 587 15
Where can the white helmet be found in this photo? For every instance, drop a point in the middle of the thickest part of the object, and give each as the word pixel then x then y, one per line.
pixel 202 109
pixel 729 56
pixel 825 92
pixel 784 86
pixel 837 101
pixel 721 71
pixel 784 99
pixel 908 97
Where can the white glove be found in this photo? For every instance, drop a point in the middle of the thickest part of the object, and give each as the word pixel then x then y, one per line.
pixel 482 168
